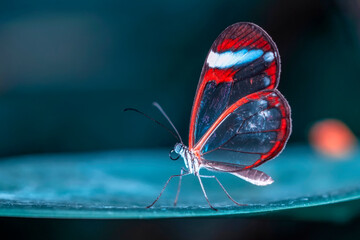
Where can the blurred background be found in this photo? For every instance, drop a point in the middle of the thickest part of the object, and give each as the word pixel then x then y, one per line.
pixel 69 68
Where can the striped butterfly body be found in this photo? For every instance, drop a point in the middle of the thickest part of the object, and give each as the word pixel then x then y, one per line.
pixel 239 119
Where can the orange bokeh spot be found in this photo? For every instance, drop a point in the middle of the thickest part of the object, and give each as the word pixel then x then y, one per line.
pixel 332 138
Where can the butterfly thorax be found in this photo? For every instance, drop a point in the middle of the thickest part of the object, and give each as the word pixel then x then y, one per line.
pixel 190 159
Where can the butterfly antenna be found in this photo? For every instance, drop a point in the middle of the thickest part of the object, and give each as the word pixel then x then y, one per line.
pixel 155 121
pixel 166 116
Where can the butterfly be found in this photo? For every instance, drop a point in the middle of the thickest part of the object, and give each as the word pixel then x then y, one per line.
pixel 239 119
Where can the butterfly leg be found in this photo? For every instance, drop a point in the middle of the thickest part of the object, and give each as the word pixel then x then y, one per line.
pixel 227 194
pixel 179 186
pixel 203 189
pixel 167 182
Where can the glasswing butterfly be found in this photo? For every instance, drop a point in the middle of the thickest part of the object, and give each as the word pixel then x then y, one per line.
pixel 239 119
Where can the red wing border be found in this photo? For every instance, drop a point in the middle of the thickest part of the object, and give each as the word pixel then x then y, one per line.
pixel 252 131
pixel 242 60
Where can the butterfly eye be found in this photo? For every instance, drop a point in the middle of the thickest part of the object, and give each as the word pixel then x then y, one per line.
pixel 173 155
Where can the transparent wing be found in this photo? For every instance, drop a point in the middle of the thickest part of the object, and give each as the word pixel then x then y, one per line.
pixel 242 60
pixel 255 129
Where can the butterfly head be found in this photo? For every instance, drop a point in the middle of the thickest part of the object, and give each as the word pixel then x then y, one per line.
pixel 178 148
pixel 177 151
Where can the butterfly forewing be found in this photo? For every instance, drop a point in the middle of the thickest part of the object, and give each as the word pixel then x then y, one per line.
pixel 243 60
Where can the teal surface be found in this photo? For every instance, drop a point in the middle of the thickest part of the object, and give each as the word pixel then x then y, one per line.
pixel 120 184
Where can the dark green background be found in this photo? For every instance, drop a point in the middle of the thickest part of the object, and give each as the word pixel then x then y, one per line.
pixel 67 69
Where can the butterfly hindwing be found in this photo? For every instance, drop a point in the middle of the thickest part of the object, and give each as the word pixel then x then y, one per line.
pixel 253 130
pixel 242 60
